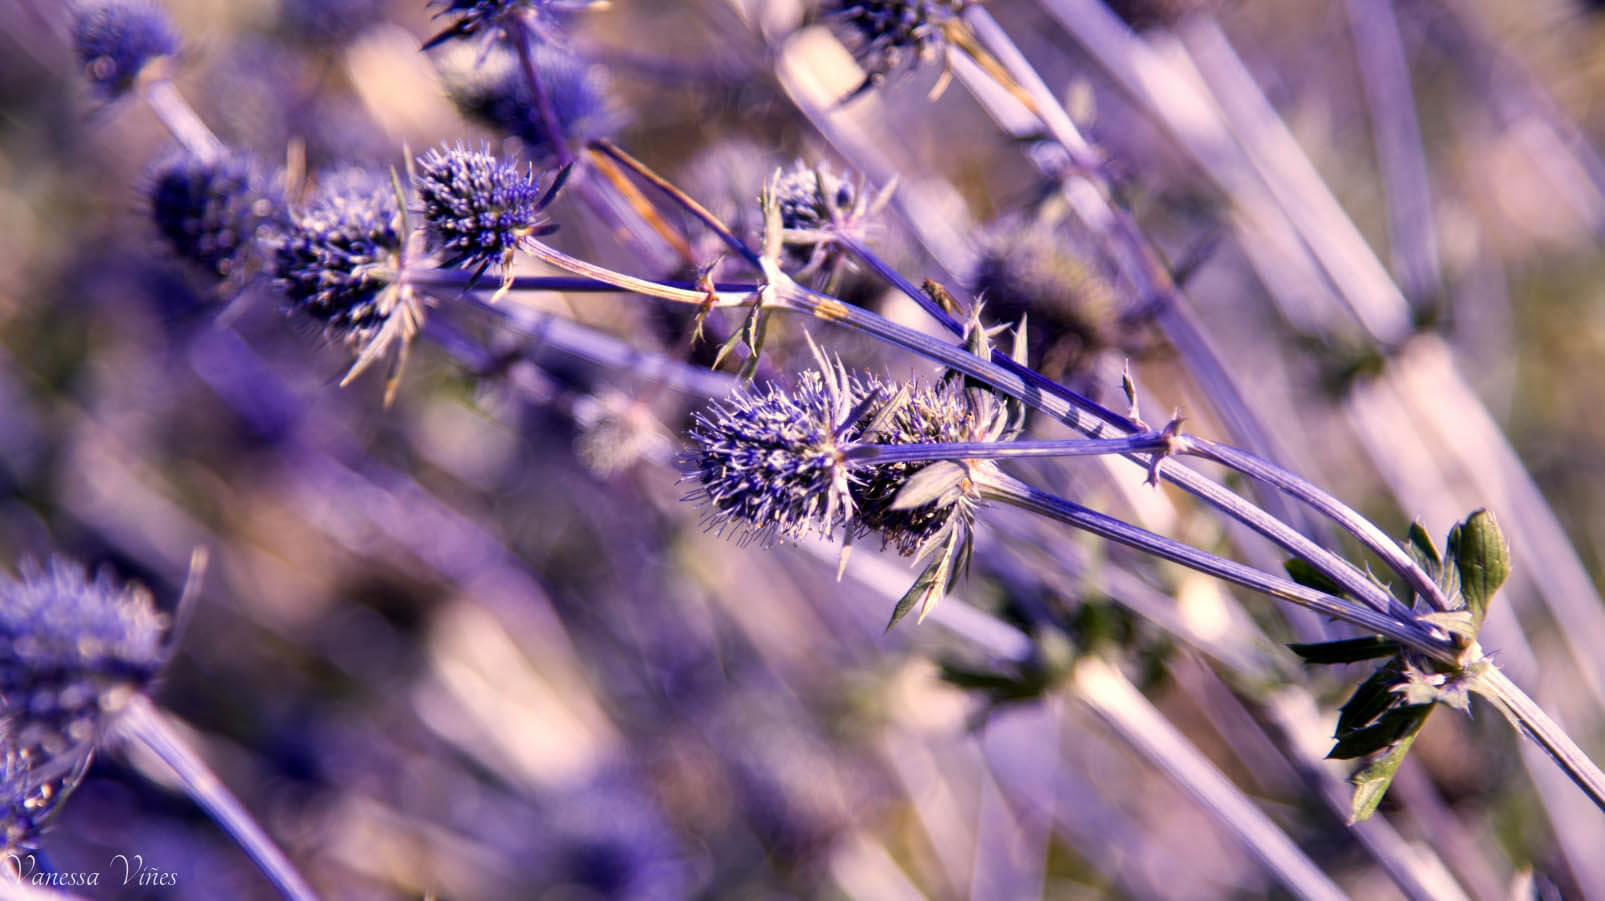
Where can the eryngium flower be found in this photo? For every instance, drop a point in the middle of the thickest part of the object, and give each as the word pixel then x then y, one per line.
pixel 209 211
pixel 1073 306
pixel 477 210
pixel 340 252
pixel 489 16
pixel 74 650
pixel 772 463
pixel 886 35
pixel 944 413
pixel 493 90
pixel 116 38
pixel 817 208
pixel 778 464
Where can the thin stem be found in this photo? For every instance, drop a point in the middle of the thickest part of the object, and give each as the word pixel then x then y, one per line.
pixel 609 149
pixel 1115 700
pixel 141 720
pixel 1000 487
pixel 521 36
pixel 1329 506
pixel 1545 732
pixel 180 119
pixel 463 279
pixel 882 454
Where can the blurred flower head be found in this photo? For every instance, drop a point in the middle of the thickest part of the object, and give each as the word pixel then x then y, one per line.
pixel 819 208
pixel 75 649
pixel 115 39
pixel 887 35
pixel 339 253
pixel 209 211
pixel 493 90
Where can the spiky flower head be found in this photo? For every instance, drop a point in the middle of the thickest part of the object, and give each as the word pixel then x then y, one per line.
pixel 341 252
pixel 115 39
pixel 946 412
pixel 1034 269
pixel 209 211
pixel 493 90
pixel 818 209
pixel 488 17
pixel 779 464
pixel 887 35
pixel 476 209
pixel 75 649
pixel 772 463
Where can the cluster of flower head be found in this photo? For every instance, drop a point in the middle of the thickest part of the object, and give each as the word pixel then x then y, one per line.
pixel 115 39
pixel 339 253
pixel 886 35
pixel 477 210
pixel 75 649
pixel 774 464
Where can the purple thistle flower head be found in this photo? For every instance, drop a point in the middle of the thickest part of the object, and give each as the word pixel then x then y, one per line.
pixel 818 207
pixel 777 464
pixel 476 209
pixel 115 39
pixel 75 649
pixel 341 252
pixel 209 211
pixel 887 35
pixel 494 91
pixel 772 463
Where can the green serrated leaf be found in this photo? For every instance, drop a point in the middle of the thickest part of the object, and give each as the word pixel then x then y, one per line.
pixel 1305 573
pixel 731 343
pixel 929 485
pixel 1370 699
pixel 753 332
pixel 1371 783
pixel 1390 727
pixel 973 679
pixel 931 580
pixel 1418 544
pixel 1482 559
pixel 1348 650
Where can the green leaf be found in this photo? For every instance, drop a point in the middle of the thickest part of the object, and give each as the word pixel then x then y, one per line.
pixel 1390 727
pixel 974 679
pixel 1305 573
pixel 732 342
pixel 1418 544
pixel 1370 699
pixel 1482 558
pixel 932 581
pixel 1371 783
pixel 1348 650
